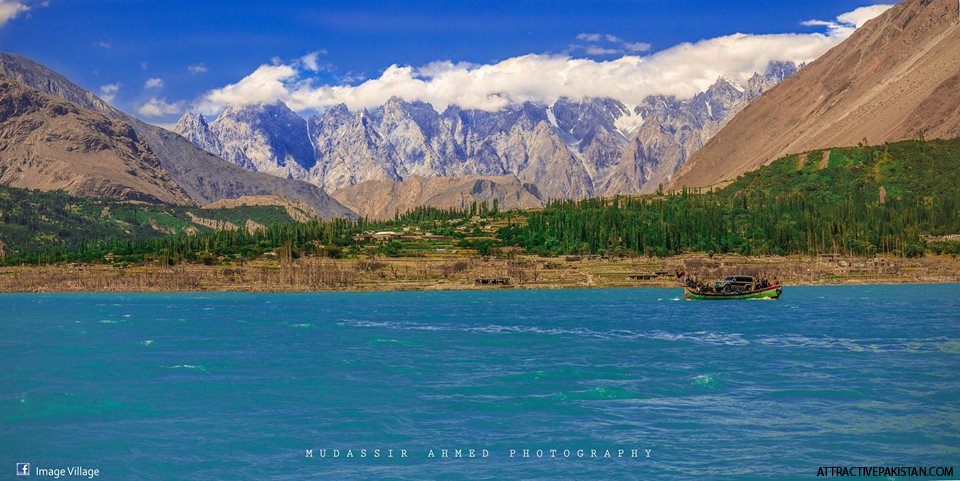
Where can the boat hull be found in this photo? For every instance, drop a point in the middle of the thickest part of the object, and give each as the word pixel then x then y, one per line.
pixel 768 293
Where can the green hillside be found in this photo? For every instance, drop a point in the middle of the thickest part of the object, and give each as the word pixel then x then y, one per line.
pixel 33 220
pixel 928 169
pixel 862 200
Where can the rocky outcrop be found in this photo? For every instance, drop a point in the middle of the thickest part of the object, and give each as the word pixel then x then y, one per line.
pixel 253 227
pixel 214 224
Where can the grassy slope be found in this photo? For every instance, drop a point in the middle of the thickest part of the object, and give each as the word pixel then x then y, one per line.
pixel 816 202
pixel 926 169
pixel 31 219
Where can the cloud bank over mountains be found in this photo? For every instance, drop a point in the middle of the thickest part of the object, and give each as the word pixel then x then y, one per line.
pixel 682 70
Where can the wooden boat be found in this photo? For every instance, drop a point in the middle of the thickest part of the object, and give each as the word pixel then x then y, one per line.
pixel 733 288
pixel 772 292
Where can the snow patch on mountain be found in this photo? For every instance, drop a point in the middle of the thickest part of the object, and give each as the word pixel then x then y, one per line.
pixel 628 123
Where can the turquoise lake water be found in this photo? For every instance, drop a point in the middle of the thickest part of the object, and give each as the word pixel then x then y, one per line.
pixel 239 386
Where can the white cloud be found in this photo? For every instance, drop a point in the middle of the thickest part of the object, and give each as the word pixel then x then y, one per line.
pixel 159 107
pixel 860 16
pixel 637 46
pixel 102 44
pixel 153 83
pixel 351 77
pixel 144 65
pixel 266 84
pixel 197 68
pixel 433 69
pixel 596 50
pixel 848 22
pixel 682 70
pixel 108 92
pixel 309 60
pixel 9 9
pixel 605 44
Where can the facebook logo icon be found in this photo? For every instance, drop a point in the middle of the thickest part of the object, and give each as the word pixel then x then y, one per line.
pixel 23 469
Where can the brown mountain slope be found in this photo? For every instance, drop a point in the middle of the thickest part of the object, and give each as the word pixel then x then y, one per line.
pixel 894 77
pixel 382 199
pixel 48 143
pixel 207 178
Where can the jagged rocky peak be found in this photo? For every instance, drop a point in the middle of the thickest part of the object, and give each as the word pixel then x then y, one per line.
pixel 533 113
pixel 265 137
pixel 567 149
pixel 452 112
pixel 582 117
pixel 652 126
pixel 719 101
pixel 420 112
pixel 329 118
pixel 194 127
pixel 525 116
pixel 780 70
pixel 190 120
pixel 275 117
pixel 725 87
pixel 338 111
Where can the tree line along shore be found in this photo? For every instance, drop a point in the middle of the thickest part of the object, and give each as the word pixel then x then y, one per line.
pixel 887 213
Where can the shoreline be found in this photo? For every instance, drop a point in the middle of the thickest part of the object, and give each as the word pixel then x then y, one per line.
pixel 504 289
pixel 451 273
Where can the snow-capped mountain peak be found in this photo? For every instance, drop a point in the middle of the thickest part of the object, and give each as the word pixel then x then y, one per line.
pixel 571 149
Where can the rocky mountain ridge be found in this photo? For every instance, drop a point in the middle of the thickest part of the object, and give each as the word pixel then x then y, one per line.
pixel 571 149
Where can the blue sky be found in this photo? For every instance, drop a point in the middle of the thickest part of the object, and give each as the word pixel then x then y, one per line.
pixel 116 47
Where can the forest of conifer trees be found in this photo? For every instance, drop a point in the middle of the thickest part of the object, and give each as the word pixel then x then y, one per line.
pixel 865 200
